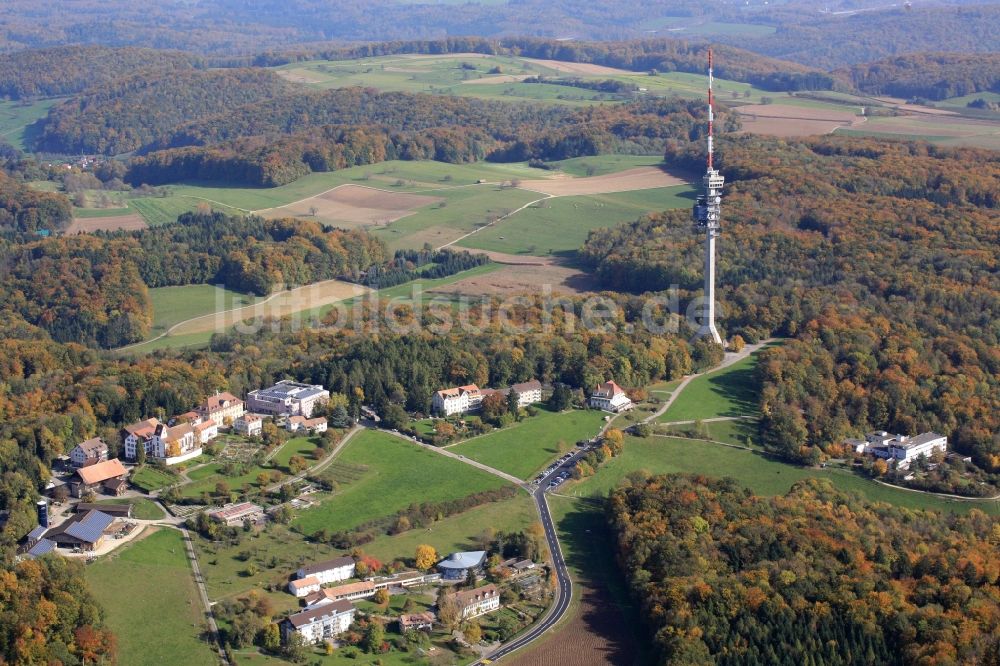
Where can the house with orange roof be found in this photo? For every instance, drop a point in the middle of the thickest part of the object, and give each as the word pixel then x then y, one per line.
pixel 102 476
pixel 223 408
pixel 457 400
pixel 610 397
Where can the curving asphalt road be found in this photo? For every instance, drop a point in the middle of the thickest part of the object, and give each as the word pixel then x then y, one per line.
pixel 564 591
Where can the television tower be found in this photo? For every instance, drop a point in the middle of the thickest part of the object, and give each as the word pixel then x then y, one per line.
pixel 706 219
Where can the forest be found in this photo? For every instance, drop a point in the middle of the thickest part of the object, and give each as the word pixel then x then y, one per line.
pixel 453 130
pixel 67 70
pixel 864 252
pixel 24 210
pixel 816 577
pixel 132 111
pixel 930 76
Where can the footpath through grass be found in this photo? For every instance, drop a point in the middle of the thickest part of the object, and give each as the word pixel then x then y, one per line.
pixel 395 475
pixel 526 447
pixel 151 602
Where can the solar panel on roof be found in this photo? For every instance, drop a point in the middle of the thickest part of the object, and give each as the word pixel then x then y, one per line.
pixel 91 527
pixel 42 547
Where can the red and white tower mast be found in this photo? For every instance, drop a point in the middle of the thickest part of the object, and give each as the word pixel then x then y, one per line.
pixel 706 214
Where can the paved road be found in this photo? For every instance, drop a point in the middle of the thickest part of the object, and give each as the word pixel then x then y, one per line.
pixel 564 591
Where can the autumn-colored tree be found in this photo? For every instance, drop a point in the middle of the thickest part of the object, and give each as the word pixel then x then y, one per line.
pixel 472 631
pixel 425 557
pixel 381 597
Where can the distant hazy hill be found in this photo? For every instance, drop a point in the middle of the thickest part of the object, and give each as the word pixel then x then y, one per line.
pixel 827 41
pixel 822 35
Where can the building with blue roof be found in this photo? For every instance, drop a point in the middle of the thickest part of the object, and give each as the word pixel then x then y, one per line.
pixel 85 531
pixel 457 565
pixel 41 547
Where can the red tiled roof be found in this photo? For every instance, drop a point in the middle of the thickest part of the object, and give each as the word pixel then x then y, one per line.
pixel 102 471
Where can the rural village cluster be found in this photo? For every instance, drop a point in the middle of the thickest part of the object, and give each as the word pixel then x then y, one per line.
pixel 328 589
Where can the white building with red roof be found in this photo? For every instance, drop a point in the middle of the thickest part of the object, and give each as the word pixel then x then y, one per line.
pixel 223 408
pixel 457 400
pixel 610 397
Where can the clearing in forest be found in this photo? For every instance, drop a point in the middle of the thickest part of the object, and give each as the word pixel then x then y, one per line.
pixel 280 304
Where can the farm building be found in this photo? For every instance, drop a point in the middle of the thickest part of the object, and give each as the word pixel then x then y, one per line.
pixel 457 565
pixel 123 510
pixel 88 453
pixel 85 531
pixel 288 398
pixel 102 476
pixel 322 623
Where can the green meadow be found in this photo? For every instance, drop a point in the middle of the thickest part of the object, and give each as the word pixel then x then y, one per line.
pixel 561 225
pixel 498 77
pixel 395 475
pixel 526 447
pixel 17 118
pixel 172 305
pixel 147 591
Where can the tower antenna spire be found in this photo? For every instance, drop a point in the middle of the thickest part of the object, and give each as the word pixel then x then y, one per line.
pixel 707 212
pixel 711 111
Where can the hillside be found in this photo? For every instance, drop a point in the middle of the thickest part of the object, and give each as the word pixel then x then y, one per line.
pixel 933 76
pixel 66 70
pixel 814 577
pixel 130 112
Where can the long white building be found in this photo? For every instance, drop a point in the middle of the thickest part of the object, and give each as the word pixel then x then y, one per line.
pixel 287 398
pixel 902 448
pixel 321 623
pixel 457 400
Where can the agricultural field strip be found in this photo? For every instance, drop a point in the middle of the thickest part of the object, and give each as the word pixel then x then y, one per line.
pixel 337 187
